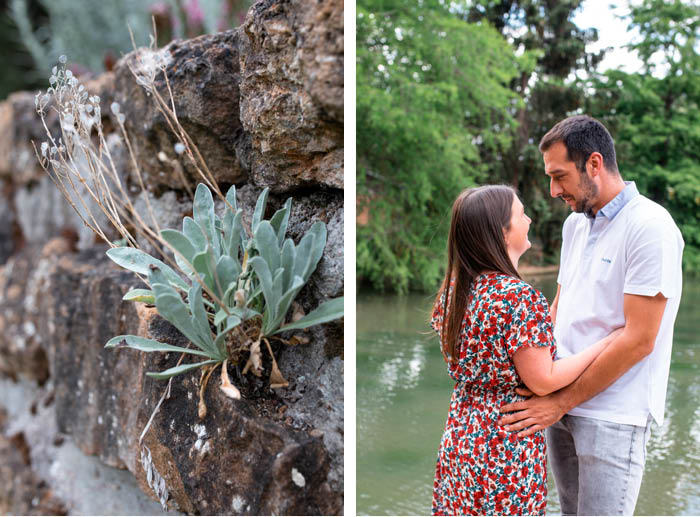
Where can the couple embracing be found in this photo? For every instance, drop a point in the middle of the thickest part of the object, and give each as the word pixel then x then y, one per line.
pixel 590 372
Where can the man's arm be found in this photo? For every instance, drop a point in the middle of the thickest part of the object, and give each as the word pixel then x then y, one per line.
pixel 642 321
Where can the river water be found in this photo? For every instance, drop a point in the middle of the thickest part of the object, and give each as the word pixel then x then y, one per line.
pixel 403 394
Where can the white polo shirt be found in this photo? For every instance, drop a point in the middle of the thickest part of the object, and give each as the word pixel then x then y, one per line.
pixel 632 246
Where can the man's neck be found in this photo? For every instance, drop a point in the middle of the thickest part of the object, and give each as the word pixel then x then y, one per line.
pixel 609 189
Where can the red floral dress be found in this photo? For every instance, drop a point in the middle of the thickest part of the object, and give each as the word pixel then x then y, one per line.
pixel 481 468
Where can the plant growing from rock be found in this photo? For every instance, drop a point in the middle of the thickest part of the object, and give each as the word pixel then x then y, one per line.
pixel 226 285
pixel 227 288
pixel 239 287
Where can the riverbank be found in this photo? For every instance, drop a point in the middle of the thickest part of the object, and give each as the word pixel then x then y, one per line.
pixel 529 270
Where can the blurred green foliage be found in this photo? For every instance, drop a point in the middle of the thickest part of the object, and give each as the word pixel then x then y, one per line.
pixel 449 96
pixel 654 115
pixel 93 34
pixel 433 97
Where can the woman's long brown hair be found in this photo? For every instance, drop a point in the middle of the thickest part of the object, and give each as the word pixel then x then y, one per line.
pixel 476 244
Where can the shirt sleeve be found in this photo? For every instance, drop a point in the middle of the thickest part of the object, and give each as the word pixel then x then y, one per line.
pixel 654 250
pixel 529 324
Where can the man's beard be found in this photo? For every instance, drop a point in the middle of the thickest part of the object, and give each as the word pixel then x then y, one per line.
pixel 589 192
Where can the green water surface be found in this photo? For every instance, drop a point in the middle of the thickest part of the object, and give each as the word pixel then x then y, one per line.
pixel 403 394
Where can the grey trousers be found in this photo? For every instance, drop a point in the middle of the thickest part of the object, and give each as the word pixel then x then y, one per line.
pixel 597 465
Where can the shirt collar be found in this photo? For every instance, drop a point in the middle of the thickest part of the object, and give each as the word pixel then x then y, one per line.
pixel 618 202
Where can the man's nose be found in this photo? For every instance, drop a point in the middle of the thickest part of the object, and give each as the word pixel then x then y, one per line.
pixel 554 189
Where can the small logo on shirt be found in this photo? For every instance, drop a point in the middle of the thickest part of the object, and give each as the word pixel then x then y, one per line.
pixel 607 260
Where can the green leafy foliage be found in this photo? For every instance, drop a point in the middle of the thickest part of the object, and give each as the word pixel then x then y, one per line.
pixel 432 96
pixel 450 95
pixel 654 115
pixel 226 278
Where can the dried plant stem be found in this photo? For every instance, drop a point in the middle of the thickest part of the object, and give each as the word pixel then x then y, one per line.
pixel 202 406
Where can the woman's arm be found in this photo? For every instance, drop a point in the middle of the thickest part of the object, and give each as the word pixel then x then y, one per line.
pixel 542 375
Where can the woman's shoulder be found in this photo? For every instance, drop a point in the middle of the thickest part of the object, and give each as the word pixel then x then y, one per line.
pixel 511 289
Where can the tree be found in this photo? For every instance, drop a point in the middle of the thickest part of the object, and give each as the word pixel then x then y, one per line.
pixel 654 115
pixel 433 101
pixel 550 89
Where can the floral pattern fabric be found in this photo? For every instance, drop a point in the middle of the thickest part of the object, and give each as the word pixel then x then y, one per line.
pixel 482 469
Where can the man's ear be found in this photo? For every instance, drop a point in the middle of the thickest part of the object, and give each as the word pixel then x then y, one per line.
pixel 595 164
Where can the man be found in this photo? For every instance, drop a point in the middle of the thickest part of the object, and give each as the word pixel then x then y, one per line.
pixel 620 267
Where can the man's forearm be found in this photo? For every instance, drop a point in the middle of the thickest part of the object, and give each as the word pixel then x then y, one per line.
pixel 613 362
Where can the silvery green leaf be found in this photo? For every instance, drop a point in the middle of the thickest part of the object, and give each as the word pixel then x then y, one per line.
pixel 177 370
pixel 136 260
pixel 140 295
pixel 200 322
pixel 283 305
pixel 231 197
pixel 194 233
pixel 318 229
pixel 220 287
pixel 288 258
pixel 243 313
pixel 304 254
pixel 267 245
pixel 277 287
pixel 219 317
pixel 227 298
pixel 182 244
pixel 203 214
pixel 327 311
pixel 159 282
pixel 280 221
pixel 149 345
pixel 219 233
pixel 173 309
pixel 259 212
pixel 228 271
pixel 231 323
pixel 232 237
pixel 263 273
pixel 201 263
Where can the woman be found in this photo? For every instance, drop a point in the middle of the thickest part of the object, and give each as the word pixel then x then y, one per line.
pixel 495 333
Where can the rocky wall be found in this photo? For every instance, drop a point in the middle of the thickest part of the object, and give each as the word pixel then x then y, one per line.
pixel 263 103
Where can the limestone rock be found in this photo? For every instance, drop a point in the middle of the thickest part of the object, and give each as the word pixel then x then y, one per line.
pixel 292 93
pixel 21 348
pixel 22 492
pixel 10 234
pixel 44 472
pixel 203 74
pixel 20 126
pixel 245 457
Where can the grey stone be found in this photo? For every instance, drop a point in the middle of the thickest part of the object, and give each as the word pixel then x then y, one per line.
pixel 203 75
pixel 58 478
pixel 292 93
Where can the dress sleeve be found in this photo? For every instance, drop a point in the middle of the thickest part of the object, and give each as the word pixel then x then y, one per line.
pixel 528 323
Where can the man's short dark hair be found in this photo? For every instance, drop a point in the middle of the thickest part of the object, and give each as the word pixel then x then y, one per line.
pixel 582 135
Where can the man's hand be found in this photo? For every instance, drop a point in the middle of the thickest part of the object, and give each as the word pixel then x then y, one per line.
pixel 532 415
